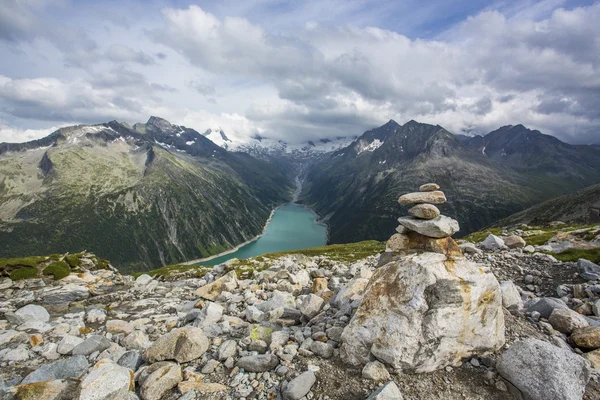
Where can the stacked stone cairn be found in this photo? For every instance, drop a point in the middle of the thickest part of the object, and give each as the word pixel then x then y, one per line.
pixel 425 229
pixel 426 306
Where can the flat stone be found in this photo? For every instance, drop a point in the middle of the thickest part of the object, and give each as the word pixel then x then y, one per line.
pixel 227 349
pixel 402 229
pixel 588 270
pixel 68 368
pixel 429 187
pixel 469 248
pixel 375 371
pixel 118 326
pixel 183 345
pixel 435 197
pixel 68 343
pixel 424 211
pixel 299 386
pixel 514 242
pixel 566 320
pixel 47 390
pixel 439 227
pixel 319 284
pixel 212 290
pixel 493 242
pixel 587 338
pixel 324 350
pixel 389 391
pixel 159 379
pixel 107 381
pixel 32 312
pixel 258 363
pixel 131 359
pixel 311 305
pixel 545 306
pixel 511 299
pixel 397 242
pixel 91 345
pixel 542 371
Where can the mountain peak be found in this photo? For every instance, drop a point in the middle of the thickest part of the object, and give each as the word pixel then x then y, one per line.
pixel 159 122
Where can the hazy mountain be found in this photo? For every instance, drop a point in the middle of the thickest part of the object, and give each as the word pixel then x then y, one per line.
pixel 355 189
pixel 155 194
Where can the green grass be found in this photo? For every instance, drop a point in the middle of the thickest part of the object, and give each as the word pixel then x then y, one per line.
pixel 541 239
pixel 25 273
pixel 338 252
pixel 73 260
pixel 575 254
pixel 246 267
pixel 58 269
pixel 32 261
pixel 477 237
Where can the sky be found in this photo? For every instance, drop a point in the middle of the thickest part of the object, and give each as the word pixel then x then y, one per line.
pixel 301 70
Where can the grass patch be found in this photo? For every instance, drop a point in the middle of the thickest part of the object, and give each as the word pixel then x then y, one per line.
pixel 58 269
pixel 541 239
pixel 575 254
pixel 22 261
pixel 73 260
pixel 25 273
pixel 338 252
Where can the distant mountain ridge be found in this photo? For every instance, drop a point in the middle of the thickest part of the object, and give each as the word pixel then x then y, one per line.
pixel 157 192
pixel 485 177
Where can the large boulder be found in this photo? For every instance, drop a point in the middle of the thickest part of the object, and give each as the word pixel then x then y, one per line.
pixel 425 312
pixel 183 345
pixel 542 371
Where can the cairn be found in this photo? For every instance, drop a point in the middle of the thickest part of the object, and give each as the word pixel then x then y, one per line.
pixel 425 229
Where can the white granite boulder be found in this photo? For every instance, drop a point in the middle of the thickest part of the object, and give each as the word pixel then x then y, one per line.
pixel 425 312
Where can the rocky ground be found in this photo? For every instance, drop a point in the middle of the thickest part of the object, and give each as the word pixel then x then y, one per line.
pixel 96 334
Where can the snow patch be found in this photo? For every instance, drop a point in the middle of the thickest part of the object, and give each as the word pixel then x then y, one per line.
pixel 374 145
pixel 191 142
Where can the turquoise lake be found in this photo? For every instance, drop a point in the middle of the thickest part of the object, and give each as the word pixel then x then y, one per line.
pixel 292 227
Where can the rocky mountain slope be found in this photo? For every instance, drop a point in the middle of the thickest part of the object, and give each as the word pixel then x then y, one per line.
pixel 570 208
pixel 487 178
pixel 278 327
pixel 145 196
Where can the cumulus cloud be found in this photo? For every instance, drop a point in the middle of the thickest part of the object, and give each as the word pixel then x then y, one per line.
pixel 310 78
pixel 52 99
pixel 330 78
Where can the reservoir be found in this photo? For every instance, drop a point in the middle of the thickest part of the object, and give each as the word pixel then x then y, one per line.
pixel 292 227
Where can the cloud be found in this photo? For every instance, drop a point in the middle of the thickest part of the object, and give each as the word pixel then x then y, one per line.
pixel 119 53
pixel 330 78
pixel 55 100
pixel 309 70
pixel 16 135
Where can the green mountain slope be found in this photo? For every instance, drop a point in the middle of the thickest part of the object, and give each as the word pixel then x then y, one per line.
pixel 355 189
pixel 143 198
pixel 571 208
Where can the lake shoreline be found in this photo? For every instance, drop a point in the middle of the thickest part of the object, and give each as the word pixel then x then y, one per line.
pixel 236 248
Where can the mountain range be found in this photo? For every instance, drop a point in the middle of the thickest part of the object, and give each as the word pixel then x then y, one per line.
pixel 485 178
pixel 145 196
pixel 156 193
